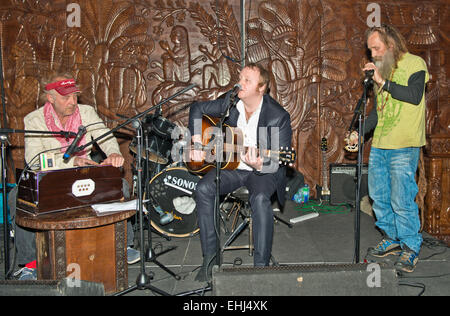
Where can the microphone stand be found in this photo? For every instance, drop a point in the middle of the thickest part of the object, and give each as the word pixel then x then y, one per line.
pixel 359 113
pixel 219 155
pixel 150 255
pixel 143 279
pixel 147 184
pixel 4 141
pixel 133 118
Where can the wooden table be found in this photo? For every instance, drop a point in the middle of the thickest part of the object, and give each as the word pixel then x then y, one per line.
pixel 79 244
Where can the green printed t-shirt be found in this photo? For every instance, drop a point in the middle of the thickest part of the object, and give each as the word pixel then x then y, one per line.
pixel 401 124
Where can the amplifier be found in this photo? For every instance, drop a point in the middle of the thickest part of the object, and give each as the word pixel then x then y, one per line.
pixel 358 279
pixel 64 287
pixel 343 183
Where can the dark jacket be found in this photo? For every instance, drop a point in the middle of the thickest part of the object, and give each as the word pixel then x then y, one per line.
pixel 272 115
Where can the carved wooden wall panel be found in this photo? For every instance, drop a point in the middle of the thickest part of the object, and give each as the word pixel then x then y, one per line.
pixel 130 55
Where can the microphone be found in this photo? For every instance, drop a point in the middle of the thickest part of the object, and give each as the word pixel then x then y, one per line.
pixel 164 218
pixel 368 75
pixel 237 87
pixel 68 134
pixel 73 146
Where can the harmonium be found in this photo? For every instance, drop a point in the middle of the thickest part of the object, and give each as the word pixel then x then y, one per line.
pixel 42 192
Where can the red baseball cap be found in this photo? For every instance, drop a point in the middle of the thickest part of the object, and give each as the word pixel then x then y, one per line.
pixel 63 87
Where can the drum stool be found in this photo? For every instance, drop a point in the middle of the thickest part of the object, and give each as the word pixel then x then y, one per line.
pixel 240 206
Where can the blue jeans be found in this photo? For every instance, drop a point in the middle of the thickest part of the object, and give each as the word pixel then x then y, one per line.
pixel 393 189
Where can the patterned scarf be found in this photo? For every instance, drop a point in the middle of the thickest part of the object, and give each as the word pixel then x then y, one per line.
pixel 54 124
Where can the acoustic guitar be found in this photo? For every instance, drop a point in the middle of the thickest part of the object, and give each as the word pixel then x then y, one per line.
pixel 232 147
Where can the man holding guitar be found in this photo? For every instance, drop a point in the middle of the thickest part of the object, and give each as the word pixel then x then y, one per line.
pixel 264 124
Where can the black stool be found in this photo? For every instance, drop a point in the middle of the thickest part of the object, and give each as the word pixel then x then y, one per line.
pixel 240 206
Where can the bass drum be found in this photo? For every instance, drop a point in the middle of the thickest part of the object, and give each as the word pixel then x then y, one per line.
pixel 172 189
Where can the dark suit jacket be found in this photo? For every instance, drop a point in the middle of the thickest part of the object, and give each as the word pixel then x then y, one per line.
pixel 272 115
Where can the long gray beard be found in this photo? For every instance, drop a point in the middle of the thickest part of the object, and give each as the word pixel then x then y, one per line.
pixel 385 66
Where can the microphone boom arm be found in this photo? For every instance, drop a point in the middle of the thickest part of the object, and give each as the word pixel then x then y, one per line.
pixel 66 134
pixel 128 121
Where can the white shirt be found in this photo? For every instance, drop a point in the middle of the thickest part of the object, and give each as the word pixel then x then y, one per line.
pixel 249 129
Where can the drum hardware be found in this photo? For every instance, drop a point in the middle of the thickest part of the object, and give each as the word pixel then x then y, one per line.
pixel 150 255
pixel 153 164
pixel 168 198
pixel 146 215
pixel 158 150
pixel 169 216
pixel 161 126
pixel 143 279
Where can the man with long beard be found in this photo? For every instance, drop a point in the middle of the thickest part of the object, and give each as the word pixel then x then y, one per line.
pixel 398 118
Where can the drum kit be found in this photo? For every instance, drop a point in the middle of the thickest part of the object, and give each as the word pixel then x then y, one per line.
pixel 169 186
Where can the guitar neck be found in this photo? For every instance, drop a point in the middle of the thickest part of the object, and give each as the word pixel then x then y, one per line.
pixel 324 172
pixel 238 149
pixel 228 153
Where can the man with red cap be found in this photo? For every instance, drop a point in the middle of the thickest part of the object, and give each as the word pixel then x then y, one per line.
pixel 61 112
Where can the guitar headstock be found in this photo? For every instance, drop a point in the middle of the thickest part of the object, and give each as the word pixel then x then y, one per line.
pixel 323 144
pixel 287 156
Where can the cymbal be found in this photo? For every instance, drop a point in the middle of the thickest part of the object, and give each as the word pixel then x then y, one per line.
pixel 150 155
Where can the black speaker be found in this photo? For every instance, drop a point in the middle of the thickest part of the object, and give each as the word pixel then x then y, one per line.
pixel 343 183
pixel 64 287
pixel 359 279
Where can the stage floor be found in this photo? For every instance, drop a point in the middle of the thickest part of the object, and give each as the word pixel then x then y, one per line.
pixel 326 239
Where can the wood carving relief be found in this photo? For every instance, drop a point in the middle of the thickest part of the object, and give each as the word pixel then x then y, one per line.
pixel 131 55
